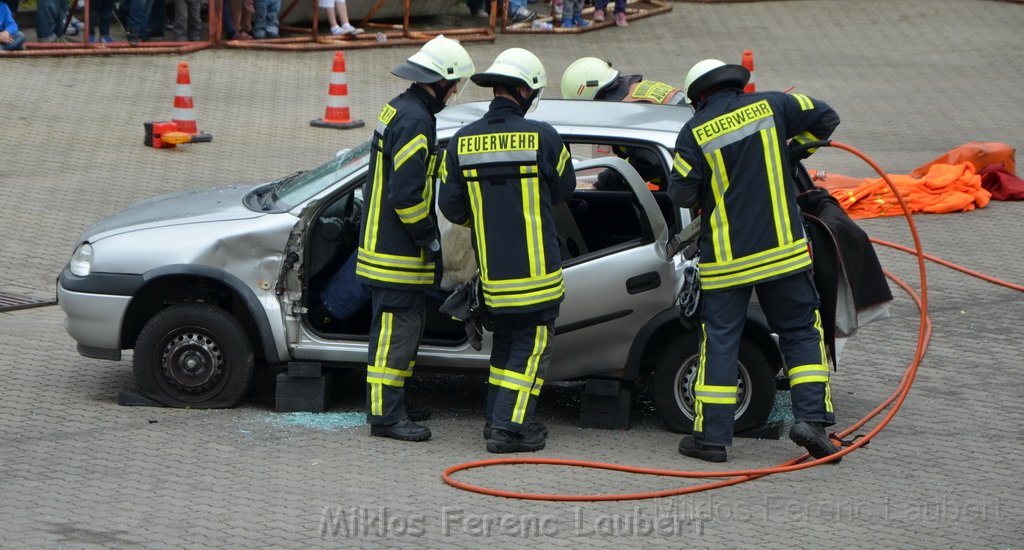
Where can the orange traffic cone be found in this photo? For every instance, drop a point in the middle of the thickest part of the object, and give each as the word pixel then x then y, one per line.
pixel 337 114
pixel 183 114
pixel 748 63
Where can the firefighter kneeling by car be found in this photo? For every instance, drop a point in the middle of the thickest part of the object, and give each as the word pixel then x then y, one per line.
pixel 501 176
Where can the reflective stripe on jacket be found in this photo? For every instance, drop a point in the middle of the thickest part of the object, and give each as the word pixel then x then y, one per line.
pixel 501 175
pixel 398 196
pixel 731 159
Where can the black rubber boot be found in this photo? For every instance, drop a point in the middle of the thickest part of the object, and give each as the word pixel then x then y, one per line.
pixel 711 453
pixel 404 430
pixel 504 441
pixel 812 436
pixel 530 427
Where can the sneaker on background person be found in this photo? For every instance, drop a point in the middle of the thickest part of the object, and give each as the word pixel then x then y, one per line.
pixel 522 15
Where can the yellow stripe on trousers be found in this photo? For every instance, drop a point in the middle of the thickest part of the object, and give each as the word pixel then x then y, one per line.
pixel 383 347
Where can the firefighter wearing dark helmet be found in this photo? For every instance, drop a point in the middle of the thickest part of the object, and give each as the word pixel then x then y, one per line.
pixel 399 246
pixel 501 176
pixel 731 162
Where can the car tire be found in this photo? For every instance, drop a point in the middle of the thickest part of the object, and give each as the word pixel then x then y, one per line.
pixel 193 355
pixel 676 370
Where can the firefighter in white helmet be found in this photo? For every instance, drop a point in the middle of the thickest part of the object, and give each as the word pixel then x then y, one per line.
pixel 731 161
pixel 595 79
pixel 498 161
pixel 399 253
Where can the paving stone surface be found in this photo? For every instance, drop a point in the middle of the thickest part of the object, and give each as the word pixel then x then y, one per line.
pixel 910 79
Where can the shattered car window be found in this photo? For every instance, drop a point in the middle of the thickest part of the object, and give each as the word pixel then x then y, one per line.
pixel 295 190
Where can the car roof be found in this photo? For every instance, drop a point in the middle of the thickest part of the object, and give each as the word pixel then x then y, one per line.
pixel 660 123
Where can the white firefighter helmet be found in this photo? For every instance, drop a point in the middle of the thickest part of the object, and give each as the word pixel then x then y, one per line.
pixel 712 73
pixel 439 59
pixel 587 76
pixel 514 66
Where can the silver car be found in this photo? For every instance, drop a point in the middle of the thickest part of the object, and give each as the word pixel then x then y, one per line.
pixel 205 284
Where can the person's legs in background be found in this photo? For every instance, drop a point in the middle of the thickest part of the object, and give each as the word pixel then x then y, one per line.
pixel 620 13
pixel 101 12
pixel 138 19
pixel 50 20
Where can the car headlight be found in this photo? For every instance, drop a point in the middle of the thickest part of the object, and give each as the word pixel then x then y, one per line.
pixel 81 260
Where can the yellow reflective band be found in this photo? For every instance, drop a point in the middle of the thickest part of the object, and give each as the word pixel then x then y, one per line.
pixel 806 137
pixel 442 170
pixel 386 114
pixel 753 275
pixel 509 385
pixel 720 238
pixel 505 373
pixel 384 339
pixel 409 149
pixel 698 406
pixel 563 158
pixel 532 225
pixel 476 202
pixel 519 411
pixel 540 344
pixel 373 377
pixel 500 142
pixel 681 166
pixel 808 378
pixel 373 212
pixel 398 373
pixel 805 102
pixel 376 399
pixel 402 277
pixel 378 379
pixel 776 186
pixel 828 398
pixel 722 395
pixel 413 213
pixel 732 121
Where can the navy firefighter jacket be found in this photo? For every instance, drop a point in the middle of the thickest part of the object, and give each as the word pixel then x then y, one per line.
pixel 398 196
pixel 732 161
pixel 501 175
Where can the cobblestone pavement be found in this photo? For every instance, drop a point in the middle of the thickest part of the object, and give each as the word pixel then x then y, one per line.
pixel 911 79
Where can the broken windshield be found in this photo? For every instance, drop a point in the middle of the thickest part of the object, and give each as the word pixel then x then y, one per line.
pixel 299 188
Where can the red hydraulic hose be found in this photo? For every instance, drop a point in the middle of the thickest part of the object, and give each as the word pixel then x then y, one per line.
pixel 733 477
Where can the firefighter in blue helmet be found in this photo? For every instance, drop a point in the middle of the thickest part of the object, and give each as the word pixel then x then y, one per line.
pixel 501 176
pixel 731 162
pixel 399 251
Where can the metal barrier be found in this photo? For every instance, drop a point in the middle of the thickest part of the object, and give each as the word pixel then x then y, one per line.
pixel 635 9
pixel 306 39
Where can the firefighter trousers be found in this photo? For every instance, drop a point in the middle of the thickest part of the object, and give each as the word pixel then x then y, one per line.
pixel 399 317
pixel 520 356
pixel 790 305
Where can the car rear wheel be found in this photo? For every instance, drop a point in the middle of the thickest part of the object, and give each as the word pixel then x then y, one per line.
pixel 676 371
pixel 193 355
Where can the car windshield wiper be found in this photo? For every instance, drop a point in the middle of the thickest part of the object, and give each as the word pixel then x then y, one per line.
pixel 269 198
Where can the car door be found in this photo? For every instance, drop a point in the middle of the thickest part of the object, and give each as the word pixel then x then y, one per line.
pixel 617 275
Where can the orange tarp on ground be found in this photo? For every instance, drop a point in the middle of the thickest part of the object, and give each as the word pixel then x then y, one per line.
pixel 949 183
pixel 944 188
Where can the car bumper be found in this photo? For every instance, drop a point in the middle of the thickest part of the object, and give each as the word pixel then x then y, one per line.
pixel 93 317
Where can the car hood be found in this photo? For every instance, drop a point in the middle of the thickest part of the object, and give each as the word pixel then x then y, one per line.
pixel 186 207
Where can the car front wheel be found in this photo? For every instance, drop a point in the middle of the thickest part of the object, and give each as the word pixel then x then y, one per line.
pixel 193 355
pixel 676 372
